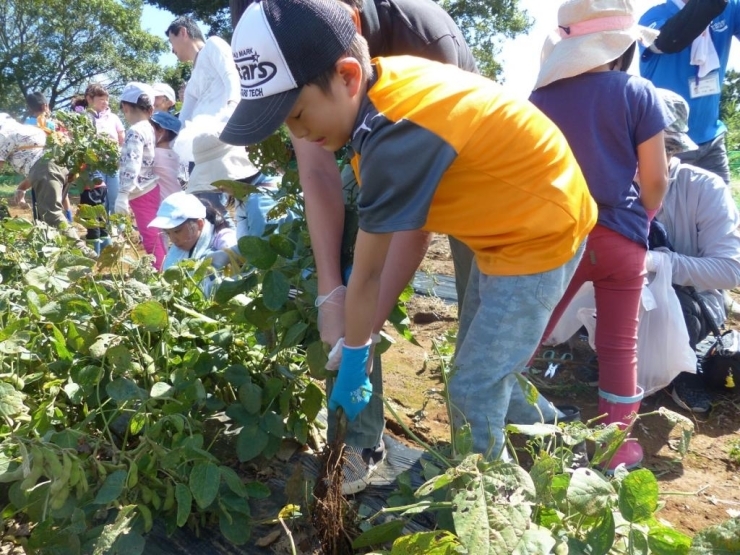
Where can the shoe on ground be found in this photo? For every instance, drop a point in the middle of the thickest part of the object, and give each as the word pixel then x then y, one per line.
pixel 690 393
pixel 359 466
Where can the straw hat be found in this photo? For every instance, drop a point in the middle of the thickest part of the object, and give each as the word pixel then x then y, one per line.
pixel 590 33
pixel 215 160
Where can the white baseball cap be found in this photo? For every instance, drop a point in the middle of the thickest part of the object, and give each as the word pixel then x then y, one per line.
pixel 163 89
pixel 177 209
pixel 133 91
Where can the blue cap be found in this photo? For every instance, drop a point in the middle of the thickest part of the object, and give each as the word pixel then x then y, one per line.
pixel 166 121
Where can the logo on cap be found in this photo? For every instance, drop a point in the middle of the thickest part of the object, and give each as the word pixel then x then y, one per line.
pixel 252 72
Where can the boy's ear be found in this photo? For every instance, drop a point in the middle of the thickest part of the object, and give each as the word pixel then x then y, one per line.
pixel 350 71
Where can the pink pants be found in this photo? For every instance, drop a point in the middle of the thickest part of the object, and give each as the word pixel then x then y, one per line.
pixel 616 266
pixel 145 210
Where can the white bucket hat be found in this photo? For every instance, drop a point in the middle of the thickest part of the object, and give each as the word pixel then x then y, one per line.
pixel 590 33
pixel 215 160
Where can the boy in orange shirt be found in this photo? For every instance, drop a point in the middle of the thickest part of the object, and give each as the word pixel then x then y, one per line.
pixel 438 149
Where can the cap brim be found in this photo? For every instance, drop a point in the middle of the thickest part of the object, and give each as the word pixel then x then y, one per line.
pixel 255 120
pixel 163 222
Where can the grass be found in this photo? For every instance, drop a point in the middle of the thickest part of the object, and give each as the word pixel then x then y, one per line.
pixel 8 183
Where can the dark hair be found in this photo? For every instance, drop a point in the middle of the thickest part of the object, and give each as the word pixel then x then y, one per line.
pixel 171 135
pixel 625 60
pixel 215 217
pixel 78 101
pixel 358 50
pixel 144 104
pixel 95 89
pixel 36 102
pixel 187 23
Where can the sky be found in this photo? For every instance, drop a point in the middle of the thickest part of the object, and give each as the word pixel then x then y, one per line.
pixel 521 56
pixel 156 22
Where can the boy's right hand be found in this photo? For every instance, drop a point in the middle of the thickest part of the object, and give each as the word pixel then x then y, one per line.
pixel 352 388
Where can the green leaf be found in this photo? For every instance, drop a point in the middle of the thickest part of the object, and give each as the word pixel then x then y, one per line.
pixel 273 424
pixel 11 400
pixel 123 389
pixel 151 315
pixel 184 503
pixel 722 539
pixel 272 389
pixel 440 542
pixel 667 541
pixel 638 495
pixel 382 533
pixel 257 490
pixel 119 357
pixel 530 391
pixel 205 478
pixel 257 252
pixel 112 488
pixel 235 527
pixel 237 375
pixel 463 439
pixel 103 342
pixel 111 532
pixel 251 441
pixel 129 543
pixel 231 287
pixel 589 492
pixel 535 541
pixel 316 359
pixel 600 538
pixel 231 478
pixel 638 544
pixel 282 245
pixel 250 396
pixel 492 511
pixel 161 390
pixel 275 289
pixel 313 399
pixel 294 336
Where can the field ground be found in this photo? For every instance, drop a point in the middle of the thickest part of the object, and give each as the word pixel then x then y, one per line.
pixel 699 490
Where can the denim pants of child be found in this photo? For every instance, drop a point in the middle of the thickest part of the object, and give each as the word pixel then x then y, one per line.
pixel 501 324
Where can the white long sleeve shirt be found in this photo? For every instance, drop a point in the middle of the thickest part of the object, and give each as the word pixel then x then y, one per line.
pixel 702 221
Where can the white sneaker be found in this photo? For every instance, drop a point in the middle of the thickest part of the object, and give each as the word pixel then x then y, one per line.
pixel 359 465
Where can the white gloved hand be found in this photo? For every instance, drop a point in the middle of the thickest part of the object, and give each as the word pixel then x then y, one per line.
pixel 335 355
pixel 219 259
pixel 122 205
pixel 20 198
pixel 654 257
pixel 331 315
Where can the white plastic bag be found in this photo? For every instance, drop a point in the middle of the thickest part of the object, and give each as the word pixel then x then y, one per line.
pixel 569 322
pixel 663 349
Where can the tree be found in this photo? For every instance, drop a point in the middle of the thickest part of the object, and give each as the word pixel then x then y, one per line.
pixel 729 113
pixel 483 22
pixel 59 46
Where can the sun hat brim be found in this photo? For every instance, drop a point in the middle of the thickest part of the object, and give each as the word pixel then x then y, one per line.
pixel 255 120
pixel 562 58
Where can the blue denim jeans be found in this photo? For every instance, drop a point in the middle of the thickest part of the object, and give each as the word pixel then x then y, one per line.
pixel 501 325
pixel 113 184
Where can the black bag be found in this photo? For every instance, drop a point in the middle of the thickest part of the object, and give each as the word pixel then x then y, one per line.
pixel 720 366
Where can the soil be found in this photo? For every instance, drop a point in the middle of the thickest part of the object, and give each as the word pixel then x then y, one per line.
pixel 699 490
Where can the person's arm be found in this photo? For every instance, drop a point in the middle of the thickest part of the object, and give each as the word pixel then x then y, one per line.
pixel 120 130
pixel 680 30
pixel 653 171
pixel 405 253
pixel 717 265
pixel 222 84
pixel 322 194
pixel 363 290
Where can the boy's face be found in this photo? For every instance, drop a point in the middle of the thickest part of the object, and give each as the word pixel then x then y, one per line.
pixel 327 119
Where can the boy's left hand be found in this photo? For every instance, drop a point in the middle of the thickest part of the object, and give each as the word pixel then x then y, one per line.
pixel 352 388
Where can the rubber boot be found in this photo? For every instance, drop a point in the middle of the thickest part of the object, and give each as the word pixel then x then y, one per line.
pixel 620 409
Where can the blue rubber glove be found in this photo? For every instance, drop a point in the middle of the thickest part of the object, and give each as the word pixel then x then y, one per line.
pixel 352 388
